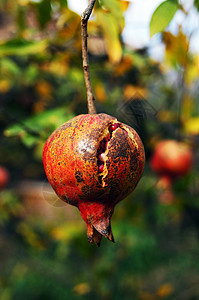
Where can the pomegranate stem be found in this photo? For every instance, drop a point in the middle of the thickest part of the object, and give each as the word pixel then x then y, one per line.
pixel 84 20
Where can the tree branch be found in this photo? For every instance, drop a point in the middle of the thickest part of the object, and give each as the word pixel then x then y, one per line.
pixel 84 20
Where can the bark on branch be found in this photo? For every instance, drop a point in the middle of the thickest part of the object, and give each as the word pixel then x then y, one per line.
pixel 84 21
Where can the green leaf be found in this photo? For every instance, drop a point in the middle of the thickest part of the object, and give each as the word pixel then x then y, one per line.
pixel 29 140
pixel 44 12
pixel 63 3
pixel 21 47
pixel 38 125
pixel 14 130
pixel 162 16
pixel 9 66
pixel 196 3
pixel 21 20
pixel 115 12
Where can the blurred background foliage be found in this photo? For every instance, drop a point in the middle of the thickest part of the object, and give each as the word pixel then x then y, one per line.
pixel 43 247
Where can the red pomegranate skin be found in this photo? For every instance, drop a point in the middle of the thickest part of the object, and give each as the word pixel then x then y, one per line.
pixel 172 159
pixel 93 162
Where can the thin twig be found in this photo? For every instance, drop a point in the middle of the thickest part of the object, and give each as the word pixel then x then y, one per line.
pixel 84 20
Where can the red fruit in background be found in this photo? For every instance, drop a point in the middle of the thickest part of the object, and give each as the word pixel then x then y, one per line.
pixel 4 177
pixel 93 162
pixel 172 159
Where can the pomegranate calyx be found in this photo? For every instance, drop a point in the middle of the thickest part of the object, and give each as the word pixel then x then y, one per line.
pixel 97 216
pixel 103 227
pixel 96 231
pixel 93 235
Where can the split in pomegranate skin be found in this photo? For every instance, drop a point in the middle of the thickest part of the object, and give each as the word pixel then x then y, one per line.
pixel 103 146
pixel 93 162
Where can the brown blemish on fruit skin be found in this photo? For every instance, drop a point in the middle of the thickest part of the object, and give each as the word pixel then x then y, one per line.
pixel 77 180
pixel 79 176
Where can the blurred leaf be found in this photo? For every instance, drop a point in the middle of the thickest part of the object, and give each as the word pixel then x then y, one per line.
pixel 115 10
pixel 64 232
pixel 111 33
pixel 5 85
pixel 82 288
pixel 32 128
pixel 110 19
pixel 44 89
pixel 9 66
pixel 29 140
pixel 192 72
pixel 124 66
pixel 100 92
pixel 132 91
pixel 21 47
pixel 196 3
pixel 177 47
pixel 124 5
pixel 58 66
pixel 21 21
pixel 63 3
pixel 44 10
pixel 192 126
pixel 31 237
pixel 14 130
pixel 165 290
pixel 162 16
pixel 69 24
pixel 31 74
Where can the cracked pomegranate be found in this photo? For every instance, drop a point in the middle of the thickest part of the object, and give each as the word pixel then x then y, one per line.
pixel 92 162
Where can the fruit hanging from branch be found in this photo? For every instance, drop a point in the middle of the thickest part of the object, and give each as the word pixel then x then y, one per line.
pixel 93 161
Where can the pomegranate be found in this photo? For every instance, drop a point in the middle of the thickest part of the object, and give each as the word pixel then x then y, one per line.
pixel 4 177
pixel 92 162
pixel 170 160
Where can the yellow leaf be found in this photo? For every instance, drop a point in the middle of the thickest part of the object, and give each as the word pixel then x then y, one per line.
pixel 132 91
pixel 82 288
pixel 165 290
pixel 67 231
pixel 30 236
pixel 192 126
pixel 4 85
pixel 177 47
pixel 58 66
pixel 192 72
pixel 188 106
pixel 124 66
pixel 111 32
pixel 100 92
pixel 124 5
pixel 68 24
pixel 166 116
pixel 44 89
pixel 23 2
pixel 114 50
